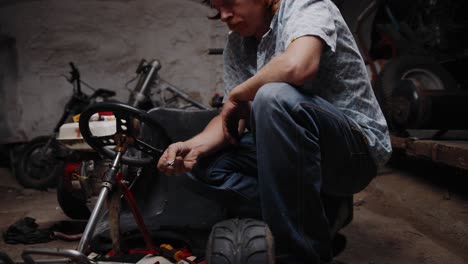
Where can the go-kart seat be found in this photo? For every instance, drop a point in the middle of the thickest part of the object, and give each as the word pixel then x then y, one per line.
pixel 181 124
pixel 184 124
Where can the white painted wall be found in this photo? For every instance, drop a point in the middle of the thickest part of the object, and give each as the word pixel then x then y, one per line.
pixel 106 39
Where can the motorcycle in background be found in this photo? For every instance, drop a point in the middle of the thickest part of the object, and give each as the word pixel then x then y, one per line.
pixel 40 162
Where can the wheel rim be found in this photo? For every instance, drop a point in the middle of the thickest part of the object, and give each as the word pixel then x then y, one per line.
pixel 408 103
pixel 424 79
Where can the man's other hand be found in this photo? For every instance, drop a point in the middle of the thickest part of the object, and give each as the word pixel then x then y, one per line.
pixel 177 159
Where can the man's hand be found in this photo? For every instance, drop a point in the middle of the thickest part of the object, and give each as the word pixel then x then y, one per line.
pixel 232 113
pixel 177 159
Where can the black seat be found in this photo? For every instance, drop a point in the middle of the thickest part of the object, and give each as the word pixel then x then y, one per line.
pixel 183 124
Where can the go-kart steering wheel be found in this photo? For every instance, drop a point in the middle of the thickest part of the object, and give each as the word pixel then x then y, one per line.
pixel 129 123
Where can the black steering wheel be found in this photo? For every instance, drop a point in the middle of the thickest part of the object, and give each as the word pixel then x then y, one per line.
pixel 131 125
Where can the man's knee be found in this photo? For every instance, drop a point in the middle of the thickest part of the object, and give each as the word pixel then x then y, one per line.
pixel 272 95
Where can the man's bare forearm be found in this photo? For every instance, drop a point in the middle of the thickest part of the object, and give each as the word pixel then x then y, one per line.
pixel 211 139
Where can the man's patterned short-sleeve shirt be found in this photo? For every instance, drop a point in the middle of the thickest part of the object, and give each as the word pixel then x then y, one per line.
pixel 342 76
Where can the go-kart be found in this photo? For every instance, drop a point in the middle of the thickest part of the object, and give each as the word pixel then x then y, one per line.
pixel 162 210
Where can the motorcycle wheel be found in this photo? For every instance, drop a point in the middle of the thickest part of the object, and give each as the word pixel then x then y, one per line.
pixel 73 204
pixel 401 88
pixel 240 241
pixel 36 168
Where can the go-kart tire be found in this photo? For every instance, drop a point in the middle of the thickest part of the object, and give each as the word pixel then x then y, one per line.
pixel 240 241
pixel 47 176
pixel 73 206
pixel 395 95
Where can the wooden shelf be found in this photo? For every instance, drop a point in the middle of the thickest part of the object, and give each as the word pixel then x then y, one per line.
pixel 453 153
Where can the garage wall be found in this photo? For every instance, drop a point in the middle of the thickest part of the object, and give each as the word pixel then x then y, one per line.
pixel 9 114
pixel 106 39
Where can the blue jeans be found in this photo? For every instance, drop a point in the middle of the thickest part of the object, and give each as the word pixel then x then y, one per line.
pixel 300 146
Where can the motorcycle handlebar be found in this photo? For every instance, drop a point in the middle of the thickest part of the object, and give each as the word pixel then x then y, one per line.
pixel 75 76
pixel 140 66
pixel 75 73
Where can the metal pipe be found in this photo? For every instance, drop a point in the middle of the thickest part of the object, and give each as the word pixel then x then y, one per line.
pixel 105 189
pixel 181 94
pixel 49 261
pixel 392 18
pixel 110 176
pixel 155 66
pixel 89 230
pixel 73 255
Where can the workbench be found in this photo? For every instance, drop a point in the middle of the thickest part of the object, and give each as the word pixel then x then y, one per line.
pixel 450 151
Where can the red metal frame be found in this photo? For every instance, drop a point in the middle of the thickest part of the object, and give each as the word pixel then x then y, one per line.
pixel 136 214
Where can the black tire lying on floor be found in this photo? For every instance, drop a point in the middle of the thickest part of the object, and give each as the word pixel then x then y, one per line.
pixel 237 241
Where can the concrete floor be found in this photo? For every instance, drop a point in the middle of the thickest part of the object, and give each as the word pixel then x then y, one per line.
pixel 401 217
